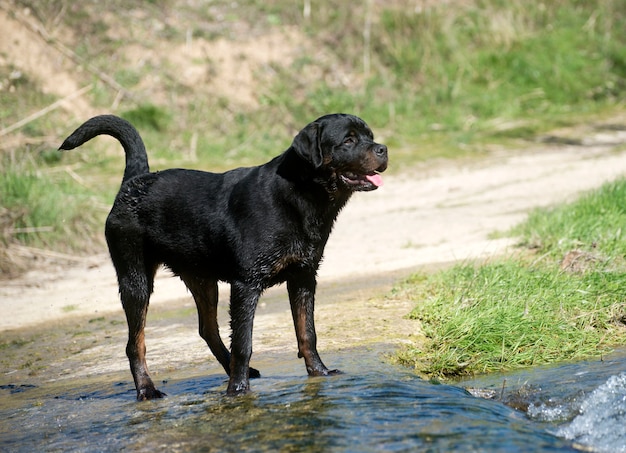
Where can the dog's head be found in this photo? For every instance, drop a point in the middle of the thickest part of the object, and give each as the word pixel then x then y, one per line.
pixel 342 147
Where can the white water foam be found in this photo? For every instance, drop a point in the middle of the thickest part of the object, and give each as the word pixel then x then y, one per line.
pixel 601 419
pixel 549 412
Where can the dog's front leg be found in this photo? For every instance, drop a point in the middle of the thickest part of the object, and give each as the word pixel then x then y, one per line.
pixel 243 302
pixel 301 289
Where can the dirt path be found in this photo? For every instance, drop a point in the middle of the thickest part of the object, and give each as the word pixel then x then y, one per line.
pixel 436 213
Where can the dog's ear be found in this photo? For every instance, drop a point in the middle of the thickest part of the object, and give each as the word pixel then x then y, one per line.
pixel 308 144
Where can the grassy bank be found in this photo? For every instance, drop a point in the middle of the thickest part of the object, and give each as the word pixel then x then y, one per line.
pixel 46 211
pixel 563 298
pixel 442 80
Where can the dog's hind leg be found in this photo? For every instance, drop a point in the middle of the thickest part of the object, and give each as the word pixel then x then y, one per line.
pixel 136 281
pixel 135 294
pixel 205 294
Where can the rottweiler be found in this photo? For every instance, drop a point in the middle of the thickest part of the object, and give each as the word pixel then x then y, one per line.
pixel 252 227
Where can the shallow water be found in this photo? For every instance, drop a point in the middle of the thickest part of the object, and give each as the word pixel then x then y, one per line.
pixel 374 406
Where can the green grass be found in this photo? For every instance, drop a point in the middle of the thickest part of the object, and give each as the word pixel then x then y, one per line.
pixel 45 210
pixel 147 117
pixel 528 310
pixel 507 315
pixel 594 224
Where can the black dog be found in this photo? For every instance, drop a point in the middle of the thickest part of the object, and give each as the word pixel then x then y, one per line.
pixel 252 227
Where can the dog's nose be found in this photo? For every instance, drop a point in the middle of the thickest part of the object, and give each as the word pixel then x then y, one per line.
pixel 380 151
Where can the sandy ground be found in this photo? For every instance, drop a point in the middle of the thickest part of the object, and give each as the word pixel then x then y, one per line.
pixel 435 213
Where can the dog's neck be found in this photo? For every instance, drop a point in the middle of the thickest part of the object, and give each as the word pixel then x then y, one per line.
pixel 317 186
pixel 304 176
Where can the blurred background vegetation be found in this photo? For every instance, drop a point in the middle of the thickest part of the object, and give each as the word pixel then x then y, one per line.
pixel 213 84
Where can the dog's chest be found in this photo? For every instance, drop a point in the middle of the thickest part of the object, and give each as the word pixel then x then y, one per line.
pixel 285 258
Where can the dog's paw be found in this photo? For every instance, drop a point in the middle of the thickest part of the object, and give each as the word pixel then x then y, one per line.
pixel 253 373
pixel 150 393
pixel 324 372
pixel 330 373
pixel 237 388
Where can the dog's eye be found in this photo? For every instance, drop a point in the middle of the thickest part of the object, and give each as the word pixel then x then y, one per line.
pixel 350 140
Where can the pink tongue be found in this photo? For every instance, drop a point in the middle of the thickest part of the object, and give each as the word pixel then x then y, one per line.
pixel 375 179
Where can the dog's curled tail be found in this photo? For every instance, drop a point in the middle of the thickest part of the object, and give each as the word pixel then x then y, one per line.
pixel 136 156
